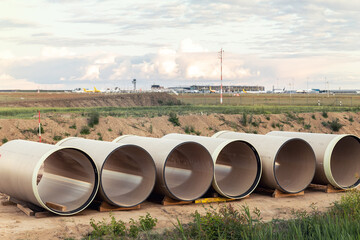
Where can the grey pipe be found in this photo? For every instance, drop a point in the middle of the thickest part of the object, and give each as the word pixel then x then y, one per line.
pixel 67 176
pixel 127 172
pixel 337 157
pixel 184 168
pixel 237 164
pixel 288 163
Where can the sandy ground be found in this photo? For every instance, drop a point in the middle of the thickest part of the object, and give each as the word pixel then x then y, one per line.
pixel 16 225
pixel 205 124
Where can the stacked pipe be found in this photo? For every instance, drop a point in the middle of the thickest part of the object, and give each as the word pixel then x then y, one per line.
pixel 237 164
pixel 127 172
pixel 288 163
pixel 337 157
pixel 62 180
pixel 184 168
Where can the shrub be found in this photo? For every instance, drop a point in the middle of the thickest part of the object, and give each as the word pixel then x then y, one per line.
pixel 85 130
pixel 57 138
pixel 189 129
pixel 307 126
pixel 110 130
pixel 335 125
pixel 93 119
pixel 324 114
pixel 173 118
pixel 73 126
pixel 4 140
pixel 243 120
pixel 313 117
pixel 351 119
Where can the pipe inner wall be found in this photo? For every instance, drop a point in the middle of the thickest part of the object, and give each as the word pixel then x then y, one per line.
pixel 237 169
pixel 345 162
pixel 68 178
pixel 188 171
pixel 128 176
pixel 294 165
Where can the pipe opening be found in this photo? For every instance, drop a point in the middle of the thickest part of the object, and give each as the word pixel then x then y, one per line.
pixel 188 171
pixel 67 180
pixel 237 169
pixel 128 176
pixel 294 165
pixel 345 162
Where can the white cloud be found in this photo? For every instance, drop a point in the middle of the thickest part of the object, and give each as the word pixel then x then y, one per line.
pixel 8 82
pixel 53 52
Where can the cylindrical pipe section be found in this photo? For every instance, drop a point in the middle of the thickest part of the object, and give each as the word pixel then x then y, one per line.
pixel 127 172
pixel 63 180
pixel 288 163
pixel 337 157
pixel 184 168
pixel 237 164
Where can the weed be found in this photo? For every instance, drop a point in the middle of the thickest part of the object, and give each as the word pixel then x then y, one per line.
pixel 67 134
pixel 85 130
pixel 93 119
pixel 73 126
pixel 243 120
pixel 100 136
pixel 351 119
pixel 324 114
pixel 335 125
pixel 189 129
pixel 173 118
pixel 4 140
pixel 151 129
pixel 109 129
pixel 313 116
pixel 307 126
pixel 57 138
pixel 120 133
pixel 273 125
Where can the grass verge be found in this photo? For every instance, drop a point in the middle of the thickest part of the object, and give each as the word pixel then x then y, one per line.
pixel 154 111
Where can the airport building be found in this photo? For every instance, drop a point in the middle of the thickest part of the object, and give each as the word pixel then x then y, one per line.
pixel 227 88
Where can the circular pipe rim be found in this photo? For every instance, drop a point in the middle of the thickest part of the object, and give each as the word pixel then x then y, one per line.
pixel 278 151
pixel 36 192
pixel 102 167
pixel 258 172
pixel 163 171
pixel 327 161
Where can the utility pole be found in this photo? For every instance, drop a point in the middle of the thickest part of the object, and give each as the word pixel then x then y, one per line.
pixel 221 90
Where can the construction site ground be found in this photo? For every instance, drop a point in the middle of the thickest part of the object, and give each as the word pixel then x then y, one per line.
pixel 14 224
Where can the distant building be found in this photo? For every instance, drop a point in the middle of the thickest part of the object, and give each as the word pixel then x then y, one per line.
pixel 227 88
pixel 155 87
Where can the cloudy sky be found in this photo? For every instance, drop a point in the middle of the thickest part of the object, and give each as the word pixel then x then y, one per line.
pixel 63 44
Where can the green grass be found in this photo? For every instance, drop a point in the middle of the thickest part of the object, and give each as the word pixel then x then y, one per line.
pixel 341 221
pixel 154 111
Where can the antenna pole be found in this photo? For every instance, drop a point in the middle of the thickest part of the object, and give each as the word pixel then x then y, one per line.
pixel 221 86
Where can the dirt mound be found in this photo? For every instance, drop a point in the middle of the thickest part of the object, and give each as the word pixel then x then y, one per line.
pixel 91 100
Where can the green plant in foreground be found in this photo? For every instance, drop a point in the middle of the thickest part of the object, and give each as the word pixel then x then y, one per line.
pixel 4 140
pixel 73 126
pixel 85 130
pixel 173 118
pixel 117 229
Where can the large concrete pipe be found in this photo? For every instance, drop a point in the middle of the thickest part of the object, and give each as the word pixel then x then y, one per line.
pixel 288 163
pixel 237 164
pixel 184 168
pixel 63 180
pixel 127 172
pixel 337 157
